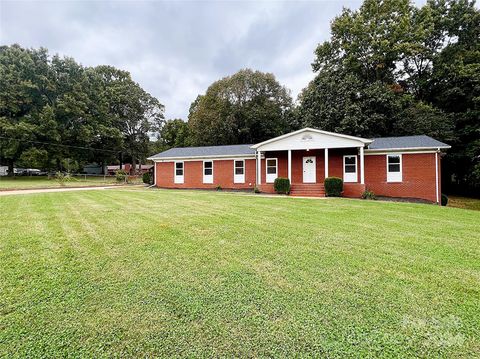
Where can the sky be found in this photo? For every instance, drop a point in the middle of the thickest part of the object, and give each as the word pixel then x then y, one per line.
pixel 175 50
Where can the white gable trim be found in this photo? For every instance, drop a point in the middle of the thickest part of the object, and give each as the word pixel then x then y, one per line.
pixel 360 139
pixel 291 141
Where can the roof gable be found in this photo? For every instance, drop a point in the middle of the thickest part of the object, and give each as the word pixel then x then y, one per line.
pixel 310 138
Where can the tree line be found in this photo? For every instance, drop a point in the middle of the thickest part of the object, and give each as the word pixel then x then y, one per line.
pixel 57 114
pixel 389 69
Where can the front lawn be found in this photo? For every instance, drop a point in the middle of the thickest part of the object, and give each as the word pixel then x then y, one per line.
pixel 26 182
pixel 190 273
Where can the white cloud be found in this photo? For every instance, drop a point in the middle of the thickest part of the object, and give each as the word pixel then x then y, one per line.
pixel 175 50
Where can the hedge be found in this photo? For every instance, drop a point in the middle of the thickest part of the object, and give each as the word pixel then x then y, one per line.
pixel 281 185
pixel 147 178
pixel 444 200
pixel 333 186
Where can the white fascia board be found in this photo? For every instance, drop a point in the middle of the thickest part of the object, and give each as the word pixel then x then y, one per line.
pixel 406 150
pixel 201 158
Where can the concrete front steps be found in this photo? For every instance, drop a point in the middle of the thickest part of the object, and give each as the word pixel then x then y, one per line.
pixel 307 190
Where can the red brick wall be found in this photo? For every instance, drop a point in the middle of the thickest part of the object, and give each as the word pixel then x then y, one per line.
pixel 193 175
pixel 353 190
pixel 418 173
pixel 418 176
pixel 335 162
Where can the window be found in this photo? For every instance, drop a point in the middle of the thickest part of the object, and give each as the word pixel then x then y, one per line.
pixel 350 169
pixel 239 171
pixel 207 171
pixel 178 172
pixel 271 164
pixel 394 168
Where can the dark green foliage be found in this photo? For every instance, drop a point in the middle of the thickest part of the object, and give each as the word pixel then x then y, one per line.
pixel 333 186
pixel 52 108
pixel 367 194
pixel 444 199
pixel 121 176
pixel 281 185
pixel 247 107
pixel 218 188
pixel 147 178
pixel 173 133
pixel 391 68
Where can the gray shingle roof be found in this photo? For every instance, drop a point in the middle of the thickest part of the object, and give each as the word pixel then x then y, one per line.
pixel 383 143
pixel 387 143
pixel 206 151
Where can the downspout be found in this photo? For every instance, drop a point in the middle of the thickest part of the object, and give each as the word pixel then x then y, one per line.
pixel 437 176
pixel 154 175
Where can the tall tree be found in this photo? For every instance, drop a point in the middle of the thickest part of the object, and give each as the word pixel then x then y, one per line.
pixel 134 112
pixel 55 111
pixel 247 107
pixel 21 102
pixel 391 68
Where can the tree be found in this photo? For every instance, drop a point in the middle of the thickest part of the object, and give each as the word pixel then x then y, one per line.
pixel 174 133
pixel 454 88
pixel 342 102
pixel 391 68
pixel 133 111
pixel 55 111
pixel 247 107
pixel 20 102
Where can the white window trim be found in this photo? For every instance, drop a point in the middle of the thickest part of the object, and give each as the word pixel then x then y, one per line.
pixel 238 178
pixel 266 169
pixel 178 179
pixel 395 177
pixel 208 179
pixel 345 179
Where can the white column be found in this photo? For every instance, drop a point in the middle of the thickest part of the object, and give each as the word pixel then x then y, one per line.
pixel 326 162
pixel 259 167
pixel 290 165
pixel 362 166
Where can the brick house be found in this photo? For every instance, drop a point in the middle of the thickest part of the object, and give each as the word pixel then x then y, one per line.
pixel 391 166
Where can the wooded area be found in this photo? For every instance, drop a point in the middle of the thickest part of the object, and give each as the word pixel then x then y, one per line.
pixel 388 69
pixel 54 112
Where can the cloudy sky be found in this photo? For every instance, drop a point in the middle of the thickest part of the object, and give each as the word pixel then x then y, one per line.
pixel 175 50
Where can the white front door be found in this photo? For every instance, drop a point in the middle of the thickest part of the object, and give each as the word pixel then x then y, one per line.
pixel 271 167
pixel 309 170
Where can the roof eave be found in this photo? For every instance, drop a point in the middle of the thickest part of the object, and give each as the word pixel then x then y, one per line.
pixel 180 158
pixel 430 148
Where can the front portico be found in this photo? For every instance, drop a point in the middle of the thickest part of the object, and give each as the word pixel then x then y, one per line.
pixel 308 156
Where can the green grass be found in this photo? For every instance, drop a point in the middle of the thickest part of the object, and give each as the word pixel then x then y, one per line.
pixel 21 182
pixel 203 274
pixel 464 202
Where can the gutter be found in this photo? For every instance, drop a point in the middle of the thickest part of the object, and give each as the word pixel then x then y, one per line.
pixel 373 150
pixel 157 159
